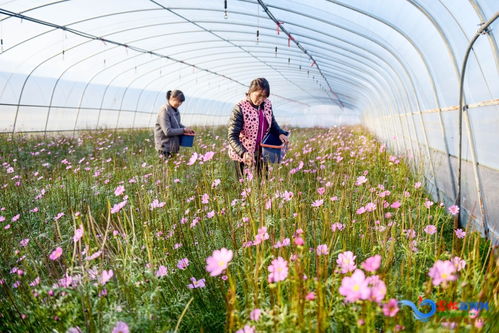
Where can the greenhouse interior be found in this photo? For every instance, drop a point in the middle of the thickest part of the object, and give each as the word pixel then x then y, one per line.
pixel 142 191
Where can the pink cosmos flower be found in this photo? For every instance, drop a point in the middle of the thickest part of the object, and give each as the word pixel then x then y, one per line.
pixel 317 203
pixel 361 210
pixel 346 261
pixel 394 159
pixel 156 204
pixel 428 204
pixel 453 209
pixel 413 246
pixel 458 263
pixel 396 204
pixel 451 325
pixel 208 156
pixel 78 234
pixel 183 263
pixel 162 271
pixel 278 270
pixel 337 226
pixel 93 256
pixel 58 216
pixel 65 282
pixel 106 276
pixel 409 233
pixel 299 241
pixel 372 263
pixel 255 314
pixel 370 207
pixel 193 159
pixel 442 271
pixel 460 233
pixel 321 190
pixel 35 282
pixel 384 194
pixel 205 198
pixel 322 250
pixel 355 287
pixel 360 180
pixel 24 242
pixel 196 283
pixel 268 204
pixel 215 183
pixel 119 190
pixel 287 195
pixel 261 236
pixel 121 327
pixel 430 229
pixel 391 308
pixel 246 329
pixel 218 261
pixel 417 185
pixel 473 313
pixel 377 288
pixel 310 296
pixel 56 254
pixel 117 207
pixel 15 218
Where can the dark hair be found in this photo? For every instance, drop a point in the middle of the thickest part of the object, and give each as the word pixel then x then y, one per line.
pixel 259 84
pixel 177 94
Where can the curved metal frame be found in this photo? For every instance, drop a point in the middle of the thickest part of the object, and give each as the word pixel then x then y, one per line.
pixel 461 111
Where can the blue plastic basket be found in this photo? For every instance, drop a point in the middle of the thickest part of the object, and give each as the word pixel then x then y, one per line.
pixel 271 154
pixel 271 148
pixel 187 140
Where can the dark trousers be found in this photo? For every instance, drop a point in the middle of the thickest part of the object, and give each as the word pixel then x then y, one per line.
pixel 261 167
pixel 164 155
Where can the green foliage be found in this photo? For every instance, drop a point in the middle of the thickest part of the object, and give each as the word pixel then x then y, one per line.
pixel 78 177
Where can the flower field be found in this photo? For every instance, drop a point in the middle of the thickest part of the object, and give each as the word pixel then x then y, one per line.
pixel 98 235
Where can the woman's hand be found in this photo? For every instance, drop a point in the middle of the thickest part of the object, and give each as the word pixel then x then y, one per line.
pixel 248 159
pixel 283 138
pixel 187 130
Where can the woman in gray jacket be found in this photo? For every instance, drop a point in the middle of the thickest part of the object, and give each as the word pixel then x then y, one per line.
pixel 168 128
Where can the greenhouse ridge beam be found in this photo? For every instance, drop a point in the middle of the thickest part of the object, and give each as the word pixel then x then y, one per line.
pixel 272 17
pixel 35 8
pixel 241 13
pixel 93 37
pixel 225 40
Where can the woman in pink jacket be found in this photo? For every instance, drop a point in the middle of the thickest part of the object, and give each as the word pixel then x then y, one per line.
pixel 252 118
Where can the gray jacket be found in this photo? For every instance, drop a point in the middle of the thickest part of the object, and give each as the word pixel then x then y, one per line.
pixel 168 129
